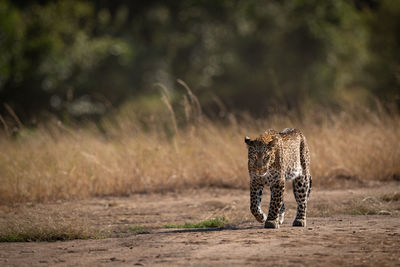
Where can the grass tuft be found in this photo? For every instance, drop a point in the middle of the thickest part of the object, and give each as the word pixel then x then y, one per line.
pixel 217 222
pixel 372 206
pixel 42 226
pixel 391 197
pixel 136 228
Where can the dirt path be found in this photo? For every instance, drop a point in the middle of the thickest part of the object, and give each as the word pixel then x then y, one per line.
pixel 333 240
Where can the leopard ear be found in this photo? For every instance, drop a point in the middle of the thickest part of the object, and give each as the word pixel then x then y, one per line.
pixel 274 141
pixel 247 140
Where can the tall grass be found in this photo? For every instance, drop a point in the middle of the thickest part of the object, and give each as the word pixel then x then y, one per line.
pixel 178 148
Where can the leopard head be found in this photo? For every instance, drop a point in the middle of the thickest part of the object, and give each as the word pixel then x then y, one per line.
pixel 262 152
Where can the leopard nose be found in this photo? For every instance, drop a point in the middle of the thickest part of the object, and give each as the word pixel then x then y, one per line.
pixel 259 163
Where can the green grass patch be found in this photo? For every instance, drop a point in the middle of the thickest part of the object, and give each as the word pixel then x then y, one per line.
pixel 136 228
pixel 211 223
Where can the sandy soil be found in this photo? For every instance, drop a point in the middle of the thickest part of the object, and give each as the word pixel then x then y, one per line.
pixel 328 239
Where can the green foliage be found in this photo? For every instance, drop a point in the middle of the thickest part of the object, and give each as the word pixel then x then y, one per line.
pixel 382 69
pixel 52 48
pixel 211 223
pixel 75 58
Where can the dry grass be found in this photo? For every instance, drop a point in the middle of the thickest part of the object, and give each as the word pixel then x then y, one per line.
pixel 169 151
pixel 391 197
pixel 358 206
pixel 42 225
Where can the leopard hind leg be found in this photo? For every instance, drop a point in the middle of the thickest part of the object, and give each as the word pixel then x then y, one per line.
pixel 302 185
pixel 301 190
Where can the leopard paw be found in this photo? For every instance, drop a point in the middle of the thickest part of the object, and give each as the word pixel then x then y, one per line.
pixel 299 223
pixel 271 224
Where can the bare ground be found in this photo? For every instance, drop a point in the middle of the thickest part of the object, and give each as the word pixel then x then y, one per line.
pixel 332 237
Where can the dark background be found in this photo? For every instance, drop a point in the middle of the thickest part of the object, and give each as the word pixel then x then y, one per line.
pixel 74 59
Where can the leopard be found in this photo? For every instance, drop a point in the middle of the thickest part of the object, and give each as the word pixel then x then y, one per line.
pixel 273 159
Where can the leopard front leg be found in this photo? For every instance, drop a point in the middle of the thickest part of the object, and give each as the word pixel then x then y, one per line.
pixel 256 191
pixel 275 205
pixel 301 186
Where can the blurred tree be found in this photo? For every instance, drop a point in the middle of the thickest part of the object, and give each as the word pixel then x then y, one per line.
pixel 77 57
pixel 51 49
pixel 383 69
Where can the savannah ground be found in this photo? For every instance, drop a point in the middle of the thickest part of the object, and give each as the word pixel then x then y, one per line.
pixel 352 227
pixel 119 191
